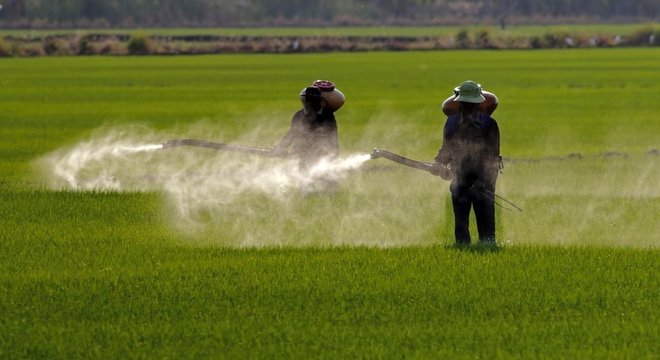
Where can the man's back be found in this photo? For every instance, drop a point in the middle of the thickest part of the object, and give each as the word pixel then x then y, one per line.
pixel 471 138
pixel 314 136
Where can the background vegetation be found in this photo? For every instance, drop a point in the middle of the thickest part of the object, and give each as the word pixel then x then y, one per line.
pixel 172 13
pixel 297 40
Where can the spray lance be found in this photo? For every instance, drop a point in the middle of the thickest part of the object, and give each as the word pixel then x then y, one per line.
pixel 443 171
pixel 433 168
pixel 267 152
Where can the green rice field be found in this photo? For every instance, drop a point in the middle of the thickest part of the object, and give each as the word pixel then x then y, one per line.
pixel 193 253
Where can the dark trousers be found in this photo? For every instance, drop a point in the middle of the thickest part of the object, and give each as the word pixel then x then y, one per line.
pixel 463 199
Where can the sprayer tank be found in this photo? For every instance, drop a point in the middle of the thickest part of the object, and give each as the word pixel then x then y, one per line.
pixel 333 97
pixel 450 107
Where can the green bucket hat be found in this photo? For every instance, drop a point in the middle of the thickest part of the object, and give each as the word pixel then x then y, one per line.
pixel 470 91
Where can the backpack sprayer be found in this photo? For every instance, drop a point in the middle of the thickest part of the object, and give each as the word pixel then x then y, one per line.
pixel 450 107
pixel 334 100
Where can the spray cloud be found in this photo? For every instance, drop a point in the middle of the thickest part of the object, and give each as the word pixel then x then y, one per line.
pixel 196 180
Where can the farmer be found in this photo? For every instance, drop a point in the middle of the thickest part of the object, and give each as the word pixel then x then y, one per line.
pixel 471 150
pixel 313 132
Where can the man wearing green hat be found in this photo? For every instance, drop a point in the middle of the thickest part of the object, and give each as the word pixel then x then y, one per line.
pixel 471 150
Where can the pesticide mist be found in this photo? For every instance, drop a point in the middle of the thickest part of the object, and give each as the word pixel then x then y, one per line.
pixel 208 191
pixel 120 161
pixel 223 198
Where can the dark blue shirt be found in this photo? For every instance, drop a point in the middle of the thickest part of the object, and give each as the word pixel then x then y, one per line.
pixel 471 145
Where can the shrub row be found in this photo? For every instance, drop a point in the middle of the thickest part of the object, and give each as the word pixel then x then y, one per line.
pixel 143 44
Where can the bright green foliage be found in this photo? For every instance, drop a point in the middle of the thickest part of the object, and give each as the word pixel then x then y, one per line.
pixel 552 102
pixel 136 295
pixel 107 274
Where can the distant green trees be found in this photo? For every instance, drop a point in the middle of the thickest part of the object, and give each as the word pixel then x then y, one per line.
pixel 321 12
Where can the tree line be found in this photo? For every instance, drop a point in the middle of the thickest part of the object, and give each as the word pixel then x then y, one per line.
pixel 176 13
